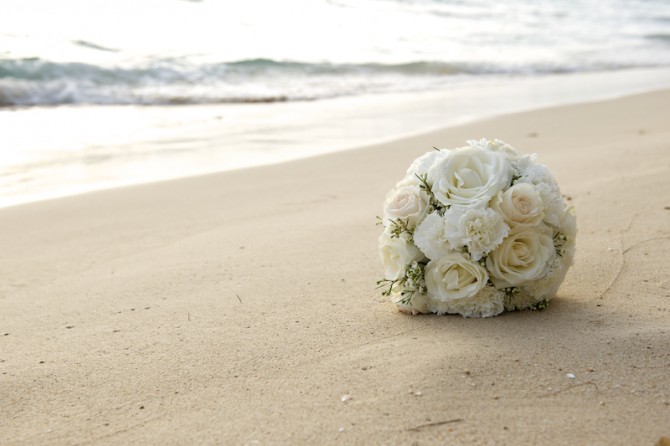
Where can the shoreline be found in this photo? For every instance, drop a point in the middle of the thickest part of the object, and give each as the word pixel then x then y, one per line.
pixel 240 307
pixel 165 143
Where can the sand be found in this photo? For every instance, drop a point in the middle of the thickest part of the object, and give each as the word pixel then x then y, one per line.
pixel 240 308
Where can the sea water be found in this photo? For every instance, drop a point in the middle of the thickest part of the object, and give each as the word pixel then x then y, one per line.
pixel 97 94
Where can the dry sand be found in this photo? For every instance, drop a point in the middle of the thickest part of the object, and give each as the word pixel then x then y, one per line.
pixel 239 308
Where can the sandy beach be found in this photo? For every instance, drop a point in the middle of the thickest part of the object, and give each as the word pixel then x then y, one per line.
pixel 240 307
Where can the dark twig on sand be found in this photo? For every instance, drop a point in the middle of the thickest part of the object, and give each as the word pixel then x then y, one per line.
pixel 436 423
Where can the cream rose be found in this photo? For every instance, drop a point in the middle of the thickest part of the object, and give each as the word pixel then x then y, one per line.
pixel 544 183
pixel 408 203
pixel 525 255
pixel 396 253
pixel 469 176
pixel 454 277
pixel 521 204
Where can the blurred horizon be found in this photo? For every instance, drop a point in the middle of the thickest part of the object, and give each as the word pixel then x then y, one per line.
pixel 153 52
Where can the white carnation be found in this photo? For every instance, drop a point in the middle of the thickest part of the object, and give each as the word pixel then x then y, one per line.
pixel 568 224
pixel 454 277
pixel 487 303
pixel 521 300
pixel 534 172
pixel 480 229
pixel 396 254
pixel 553 207
pixel 495 145
pixel 421 166
pixel 531 172
pixel 430 237
pixel 407 203
pixel 469 176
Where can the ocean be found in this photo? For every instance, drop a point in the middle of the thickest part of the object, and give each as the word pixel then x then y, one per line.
pixel 97 94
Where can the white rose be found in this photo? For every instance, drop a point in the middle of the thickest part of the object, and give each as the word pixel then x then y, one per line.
pixel 430 237
pixel 521 204
pixel 454 277
pixel 487 303
pixel 525 255
pixel 469 176
pixel 408 203
pixel 481 230
pixel 396 253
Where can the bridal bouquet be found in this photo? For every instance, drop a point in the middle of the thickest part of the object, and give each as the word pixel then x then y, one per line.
pixel 475 231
